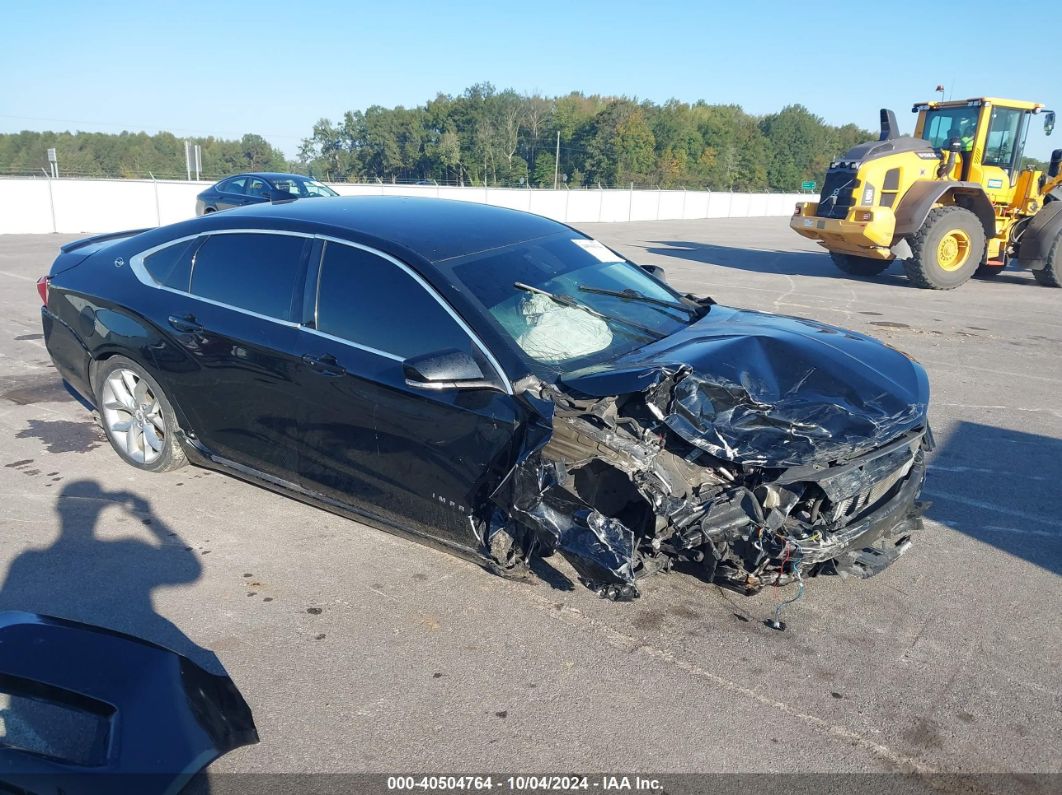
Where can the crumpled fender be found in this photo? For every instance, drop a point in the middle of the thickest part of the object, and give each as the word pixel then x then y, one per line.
pixel 532 497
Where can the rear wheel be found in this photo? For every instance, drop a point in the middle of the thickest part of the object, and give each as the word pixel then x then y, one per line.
pixel 1050 275
pixel 137 417
pixel 858 266
pixel 947 250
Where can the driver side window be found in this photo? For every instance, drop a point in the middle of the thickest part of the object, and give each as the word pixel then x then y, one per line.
pixel 370 301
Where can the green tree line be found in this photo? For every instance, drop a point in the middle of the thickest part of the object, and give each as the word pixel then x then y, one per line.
pixel 128 154
pixel 486 136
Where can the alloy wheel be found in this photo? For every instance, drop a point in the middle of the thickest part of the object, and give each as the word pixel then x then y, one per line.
pixel 133 416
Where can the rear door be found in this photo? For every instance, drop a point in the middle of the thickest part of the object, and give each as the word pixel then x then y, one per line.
pixel 229 306
pixel 232 193
pixel 414 457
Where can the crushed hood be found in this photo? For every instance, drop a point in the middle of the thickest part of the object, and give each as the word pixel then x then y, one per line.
pixel 769 390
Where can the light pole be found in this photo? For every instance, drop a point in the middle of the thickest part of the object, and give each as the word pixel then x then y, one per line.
pixel 556 162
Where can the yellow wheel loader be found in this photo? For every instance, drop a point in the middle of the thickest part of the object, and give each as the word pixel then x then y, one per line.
pixel 954 192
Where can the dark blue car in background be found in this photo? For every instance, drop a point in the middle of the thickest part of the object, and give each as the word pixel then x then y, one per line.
pixel 258 188
pixel 497 384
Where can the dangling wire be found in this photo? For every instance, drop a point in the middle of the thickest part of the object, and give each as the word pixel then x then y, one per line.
pixel 776 622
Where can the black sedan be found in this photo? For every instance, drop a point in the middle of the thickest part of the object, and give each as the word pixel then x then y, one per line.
pixel 497 384
pixel 258 188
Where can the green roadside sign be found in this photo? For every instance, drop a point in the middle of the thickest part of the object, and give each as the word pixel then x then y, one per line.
pixel 807 185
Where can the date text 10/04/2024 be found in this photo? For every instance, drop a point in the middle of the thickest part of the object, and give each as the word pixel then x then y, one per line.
pixel 614 783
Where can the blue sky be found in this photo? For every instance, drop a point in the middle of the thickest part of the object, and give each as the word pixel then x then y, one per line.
pixel 225 68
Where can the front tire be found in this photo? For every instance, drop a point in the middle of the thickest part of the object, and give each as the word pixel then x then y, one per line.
pixel 947 250
pixel 859 266
pixel 1050 275
pixel 137 417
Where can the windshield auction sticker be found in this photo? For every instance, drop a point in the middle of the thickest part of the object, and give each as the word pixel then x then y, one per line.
pixel 598 250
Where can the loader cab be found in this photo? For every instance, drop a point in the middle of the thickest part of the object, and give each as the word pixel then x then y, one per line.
pixel 942 126
pixel 991 137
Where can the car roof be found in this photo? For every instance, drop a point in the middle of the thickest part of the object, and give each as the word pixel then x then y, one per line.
pixel 267 175
pixel 434 229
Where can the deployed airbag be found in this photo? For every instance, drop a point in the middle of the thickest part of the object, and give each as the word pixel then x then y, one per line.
pixel 558 333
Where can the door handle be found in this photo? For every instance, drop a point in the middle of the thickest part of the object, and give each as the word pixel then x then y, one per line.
pixel 326 364
pixel 186 324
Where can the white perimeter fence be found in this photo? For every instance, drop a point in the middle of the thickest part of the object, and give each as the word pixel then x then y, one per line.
pixel 29 206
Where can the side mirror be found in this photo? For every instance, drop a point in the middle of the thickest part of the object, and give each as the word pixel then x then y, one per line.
pixel 450 369
pixel 655 271
pixel 280 196
pixel 1049 122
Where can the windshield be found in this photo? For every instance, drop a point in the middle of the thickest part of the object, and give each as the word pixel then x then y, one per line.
pixel 944 125
pixel 569 302
pixel 303 188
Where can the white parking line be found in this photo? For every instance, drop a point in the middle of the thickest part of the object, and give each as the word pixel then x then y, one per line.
pixel 18 276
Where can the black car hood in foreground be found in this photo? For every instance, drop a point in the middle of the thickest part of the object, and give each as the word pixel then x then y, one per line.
pixel 94 711
pixel 760 448
pixel 770 390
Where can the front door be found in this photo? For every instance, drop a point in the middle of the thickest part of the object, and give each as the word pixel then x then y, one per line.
pixel 1004 143
pixel 419 458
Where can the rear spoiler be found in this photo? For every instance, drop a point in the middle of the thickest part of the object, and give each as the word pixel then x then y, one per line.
pixel 86 241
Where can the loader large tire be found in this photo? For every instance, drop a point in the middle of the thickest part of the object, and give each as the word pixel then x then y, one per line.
pixel 859 266
pixel 947 250
pixel 1050 275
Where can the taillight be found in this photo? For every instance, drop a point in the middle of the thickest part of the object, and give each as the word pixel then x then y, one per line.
pixel 42 289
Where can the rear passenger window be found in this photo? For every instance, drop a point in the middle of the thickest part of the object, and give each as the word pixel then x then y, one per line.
pixel 367 300
pixel 256 272
pixel 172 266
pixel 233 185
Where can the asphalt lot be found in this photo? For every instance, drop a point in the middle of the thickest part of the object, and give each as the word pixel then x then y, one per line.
pixel 947 662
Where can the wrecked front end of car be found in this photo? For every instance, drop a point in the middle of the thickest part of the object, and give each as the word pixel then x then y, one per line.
pixel 756 450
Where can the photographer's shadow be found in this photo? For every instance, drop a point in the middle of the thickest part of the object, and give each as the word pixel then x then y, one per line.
pixel 107 582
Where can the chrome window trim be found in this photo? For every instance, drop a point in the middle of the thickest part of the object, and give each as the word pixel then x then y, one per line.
pixel 506 383
pixel 360 347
